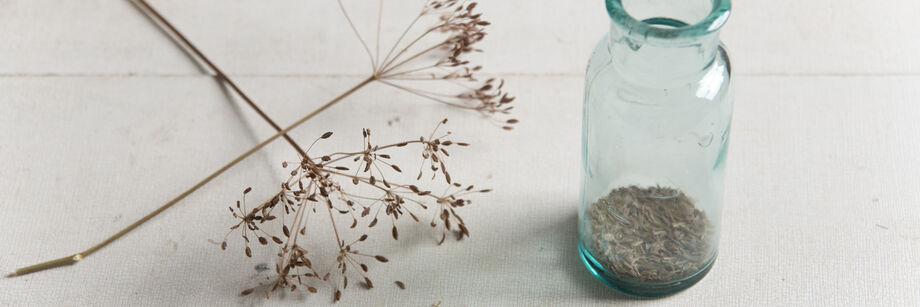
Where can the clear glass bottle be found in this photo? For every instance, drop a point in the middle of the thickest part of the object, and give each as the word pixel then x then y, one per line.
pixel 657 114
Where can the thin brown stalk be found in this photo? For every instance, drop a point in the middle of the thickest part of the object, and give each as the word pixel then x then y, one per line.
pixel 401 37
pixel 358 34
pixel 379 26
pixel 409 46
pixel 409 71
pixel 79 256
pixel 189 46
pixel 390 67
pixel 414 92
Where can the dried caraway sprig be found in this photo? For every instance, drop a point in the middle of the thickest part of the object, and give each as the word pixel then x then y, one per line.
pixel 335 185
pixel 456 30
pixel 408 62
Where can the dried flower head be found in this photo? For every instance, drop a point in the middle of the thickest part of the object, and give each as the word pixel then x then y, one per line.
pixel 456 29
pixel 353 186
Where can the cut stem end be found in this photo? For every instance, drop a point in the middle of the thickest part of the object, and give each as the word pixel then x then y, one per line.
pixel 69 260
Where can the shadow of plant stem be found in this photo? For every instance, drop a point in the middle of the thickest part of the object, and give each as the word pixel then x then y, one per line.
pixel 403 63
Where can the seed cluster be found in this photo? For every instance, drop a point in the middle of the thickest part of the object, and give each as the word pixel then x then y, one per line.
pixel 411 68
pixel 324 186
pixel 653 234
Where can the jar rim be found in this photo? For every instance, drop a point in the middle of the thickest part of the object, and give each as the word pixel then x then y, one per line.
pixel 717 17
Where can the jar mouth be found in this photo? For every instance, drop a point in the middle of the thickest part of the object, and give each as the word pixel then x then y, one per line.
pixel 666 29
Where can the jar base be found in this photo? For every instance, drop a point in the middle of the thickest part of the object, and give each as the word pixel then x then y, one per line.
pixel 642 289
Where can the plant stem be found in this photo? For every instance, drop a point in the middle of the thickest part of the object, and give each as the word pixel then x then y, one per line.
pixel 399 40
pixel 358 34
pixel 417 93
pixel 79 256
pixel 390 67
pixel 188 46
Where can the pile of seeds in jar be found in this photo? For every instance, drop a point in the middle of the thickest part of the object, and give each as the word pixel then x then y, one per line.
pixel 653 234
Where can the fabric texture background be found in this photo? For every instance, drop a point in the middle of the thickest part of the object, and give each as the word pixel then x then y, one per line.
pixel 102 119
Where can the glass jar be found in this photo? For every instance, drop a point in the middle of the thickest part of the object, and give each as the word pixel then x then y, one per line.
pixel 657 114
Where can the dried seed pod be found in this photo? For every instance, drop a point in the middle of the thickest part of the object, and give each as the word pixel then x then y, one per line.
pixel 464 230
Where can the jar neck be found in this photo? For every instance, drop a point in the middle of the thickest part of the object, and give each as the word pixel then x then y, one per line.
pixel 660 40
pixel 635 55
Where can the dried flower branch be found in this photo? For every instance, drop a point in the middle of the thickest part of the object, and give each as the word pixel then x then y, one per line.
pixel 333 183
pixel 456 30
pixel 317 181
